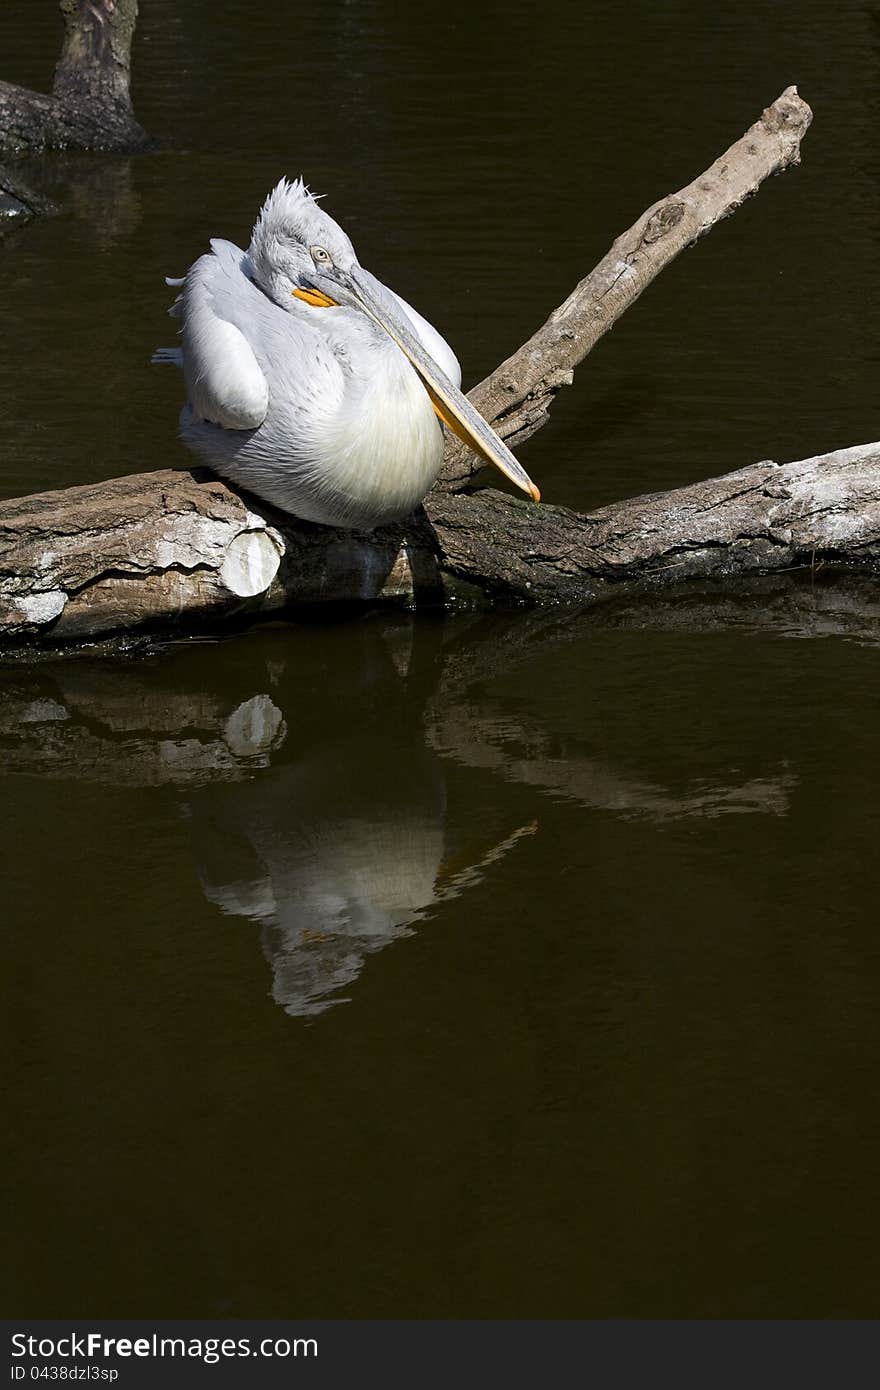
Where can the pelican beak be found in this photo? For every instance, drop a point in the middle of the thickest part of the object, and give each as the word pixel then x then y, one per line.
pixel 358 288
pixel 315 298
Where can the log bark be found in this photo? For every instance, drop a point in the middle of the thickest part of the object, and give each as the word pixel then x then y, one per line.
pixel 89 107
pixel 182 550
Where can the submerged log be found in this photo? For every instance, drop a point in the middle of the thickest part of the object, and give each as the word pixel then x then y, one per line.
pixel 174 550
pixel 89 107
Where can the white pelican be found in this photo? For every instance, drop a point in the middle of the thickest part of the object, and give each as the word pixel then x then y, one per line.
pixel 309 382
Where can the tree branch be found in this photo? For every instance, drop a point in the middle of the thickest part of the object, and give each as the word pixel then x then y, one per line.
pixel 517 396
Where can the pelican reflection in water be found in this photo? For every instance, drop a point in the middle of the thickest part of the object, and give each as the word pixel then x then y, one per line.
pixel 334 839
pixel 317 842
pixel 312 384
pixel 331 858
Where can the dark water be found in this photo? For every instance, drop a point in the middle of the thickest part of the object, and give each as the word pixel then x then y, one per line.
pixel 505 966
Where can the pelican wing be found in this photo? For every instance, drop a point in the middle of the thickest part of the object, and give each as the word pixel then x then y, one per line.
pixel 225 382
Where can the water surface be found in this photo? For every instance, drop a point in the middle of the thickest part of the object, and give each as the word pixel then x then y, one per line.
pixel 479 966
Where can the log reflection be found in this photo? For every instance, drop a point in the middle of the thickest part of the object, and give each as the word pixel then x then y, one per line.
pixel 310 771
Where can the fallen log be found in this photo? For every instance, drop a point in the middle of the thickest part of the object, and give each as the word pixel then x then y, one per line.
pixel 174 550
pixel 181 550
pixel 89 107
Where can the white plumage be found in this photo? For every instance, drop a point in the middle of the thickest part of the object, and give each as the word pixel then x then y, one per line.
pixel 308 380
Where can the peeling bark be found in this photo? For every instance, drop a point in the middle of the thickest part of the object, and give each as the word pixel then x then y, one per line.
pixel 89 107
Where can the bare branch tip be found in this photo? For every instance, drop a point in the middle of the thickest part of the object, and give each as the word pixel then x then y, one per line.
pixel 788 112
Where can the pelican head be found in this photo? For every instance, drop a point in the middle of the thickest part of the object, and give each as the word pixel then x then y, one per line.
pixel 290 232
pixel 298 253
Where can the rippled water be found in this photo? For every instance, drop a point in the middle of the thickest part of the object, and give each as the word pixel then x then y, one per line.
pixel 457 967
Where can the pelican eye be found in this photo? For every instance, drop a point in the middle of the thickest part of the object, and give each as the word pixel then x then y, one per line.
pixel 320 256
